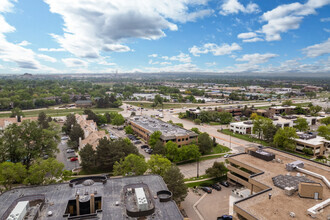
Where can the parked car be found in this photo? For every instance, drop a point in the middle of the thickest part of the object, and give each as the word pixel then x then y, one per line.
pixel 144 146
pixel 149 151
pixel 69 150
pixel 216 186
pixel 225 217
pixel 226 156
pixel 73 159
pixel 64 138
pixel 224 183
pixel 137 142
pixel 207 189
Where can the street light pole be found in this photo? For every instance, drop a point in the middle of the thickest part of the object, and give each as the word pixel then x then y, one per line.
pixel 230 140
pixel 197 167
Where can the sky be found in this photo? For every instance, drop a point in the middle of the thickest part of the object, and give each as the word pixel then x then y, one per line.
pixel 152 36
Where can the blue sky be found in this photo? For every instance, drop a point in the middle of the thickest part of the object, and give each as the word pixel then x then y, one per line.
pixel 61 36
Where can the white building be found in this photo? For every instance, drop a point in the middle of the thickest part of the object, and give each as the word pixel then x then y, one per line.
pixel 282 122
pixel 242 127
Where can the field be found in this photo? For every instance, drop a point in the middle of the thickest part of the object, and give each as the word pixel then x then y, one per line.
pixel 60 112
pixel 170 105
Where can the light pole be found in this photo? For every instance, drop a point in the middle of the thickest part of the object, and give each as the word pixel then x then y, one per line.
pixel 230 140
pixel 197 166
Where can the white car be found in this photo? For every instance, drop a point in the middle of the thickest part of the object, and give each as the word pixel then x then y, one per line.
pixel 70 151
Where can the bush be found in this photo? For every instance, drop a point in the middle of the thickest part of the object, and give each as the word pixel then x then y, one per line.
pixel 197 121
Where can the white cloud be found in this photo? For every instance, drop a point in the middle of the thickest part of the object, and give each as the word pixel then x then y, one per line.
pixel 257 58
pixel 104 62
pixel 151 62
pixel 326 30
pixel 24 43
pixel 165 63
pixel 74 62
pixel 255 39
pixel 215 49
pixel 288 17
pixel 51 49
pixel 6 5
pixel 325 19
pixel 184 67
pixel 317 49
pixel 183 58
pixel 234 7
pixel 90 29
pixel 211 64
pixel 47 58
pixel 247 35
pixel 153 55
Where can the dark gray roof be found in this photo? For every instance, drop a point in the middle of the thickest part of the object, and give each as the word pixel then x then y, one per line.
pixel 57 196
pixel 84 102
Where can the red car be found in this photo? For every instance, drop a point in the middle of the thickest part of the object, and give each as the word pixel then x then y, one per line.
pixel 73 159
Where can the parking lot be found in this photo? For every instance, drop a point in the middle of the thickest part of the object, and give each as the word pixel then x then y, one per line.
pixel 211 206
pixel 64 157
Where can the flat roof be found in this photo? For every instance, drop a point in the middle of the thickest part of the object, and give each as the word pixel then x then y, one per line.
pixel 58 195
pixel 168 130
pixel 241 123
pixel 280 205
pixel 318 140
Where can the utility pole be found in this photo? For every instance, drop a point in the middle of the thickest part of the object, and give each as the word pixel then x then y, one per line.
pixel 197 167
pixel 230 140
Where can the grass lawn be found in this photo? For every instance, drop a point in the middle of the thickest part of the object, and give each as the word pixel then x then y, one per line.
pixel 207 182
pixel 214 123
pixel 243 137
pixel 219 149
pixel 208 157
pixel 61 112
pixel 167 105
pixel 195 178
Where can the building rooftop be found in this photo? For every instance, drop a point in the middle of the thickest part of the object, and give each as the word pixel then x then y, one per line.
pixel 280 205
pixel 168 130
pixel 111 193
pixel 311 139
pixel 242 124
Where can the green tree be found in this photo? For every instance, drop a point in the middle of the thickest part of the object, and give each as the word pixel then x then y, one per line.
pixel 43 120
pixel 129 130
pixel 197 121
pixel 17 112
pixel 324 131
pixel 302 124
pixel 69 123
pixel 65 98
pixel 158 164
pixel 257 126
pixel 217 170
pixel 172 151
pixel 179 124
pixel 196 130
pixel 159 148
pixel 284 137
pixel 132 165
pixel 11 173
pixel 325 120
pixel 205 143
pixel 188 152
pixel 118 120
pixel 174 180
pixel 88 158
pixel 269 130
pixel 315 109
pixel 75 134
pixel 287 102
pixel 225 117
pixel 158 100
pixel 44 172
pixel 154 137
pixel 110 151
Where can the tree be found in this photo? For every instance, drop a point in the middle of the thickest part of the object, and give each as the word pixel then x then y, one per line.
pixel 91 115
pixel 132 165
pixel 284 137
pixel 174 180
pixel 302 124
pixel 325 120
pixel 324 131
pixel 44 172
pixel 315 109
pixel 159 148
pixel 158 100
pixel 196 130
pixel 158 164
pixel 197 121
pixel 225 117
pixel 43 120
pixel 287 102
pixel 108 117
pixel 129 130
pixel 300 110
pixel 17 112
pixel 172 151
pixel 257 126
pixel 118 120
pixel 269 130
pixel 217 170
pixel 154 137
pixel 205 143
pixel 188 152
pixel 69 123
pixel 75 134
pixel 88 158
pixel 110 151
pixel 11 173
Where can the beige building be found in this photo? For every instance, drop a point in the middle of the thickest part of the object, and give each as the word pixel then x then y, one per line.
pixel 145 126
pixel 319 145
pixel 5 122
pixel 280 185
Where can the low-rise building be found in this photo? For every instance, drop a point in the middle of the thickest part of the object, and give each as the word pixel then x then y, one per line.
pixel 145 126
pixel 277 110
pixel 5 122
pixel 94 197
pixel 84 103
pixel 242 127
pixel 282 122
pixel 279 185
pixel 318 145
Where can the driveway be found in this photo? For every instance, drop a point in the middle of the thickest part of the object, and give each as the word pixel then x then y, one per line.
pixel 63 156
